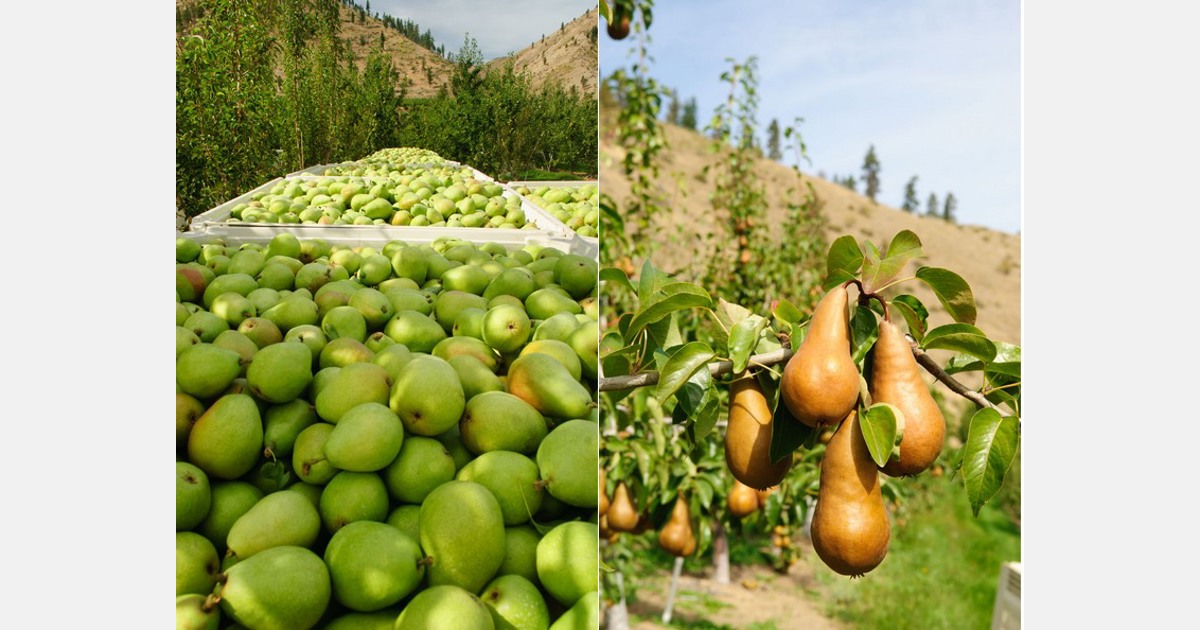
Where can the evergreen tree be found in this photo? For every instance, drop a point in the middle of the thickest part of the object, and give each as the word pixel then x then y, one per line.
pixel 931 208
pixel 673 108
pixel 870 171
pixel 773 150
pixel 850 183
pixel 949 207
pixel 910 196
pixel 688 119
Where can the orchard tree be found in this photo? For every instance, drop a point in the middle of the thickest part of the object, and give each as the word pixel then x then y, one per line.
pixel 910 196
pixel 931 207
pixel 950 206
pixel 870 172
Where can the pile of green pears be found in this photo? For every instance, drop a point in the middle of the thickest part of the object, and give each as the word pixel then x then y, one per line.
pixel 393 437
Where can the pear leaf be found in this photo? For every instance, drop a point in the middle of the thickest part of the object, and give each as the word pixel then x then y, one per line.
pixel 788 433
pixel 914 313
pixel 671 297
pixel 616 276
pixel 905 247
pixel 650 280
pixel 681 366
pixel 843 261
pixel 989 452
pixel 952 291
pixel 743 339
pixel 879 428
pixel 961 338
pixel 787 313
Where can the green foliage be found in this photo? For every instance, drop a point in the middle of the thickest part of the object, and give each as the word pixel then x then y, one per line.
pixel 870 172
pixel 910 204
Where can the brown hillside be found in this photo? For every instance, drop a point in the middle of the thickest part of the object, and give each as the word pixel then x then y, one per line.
pixel 424 70
pixel 990 261
pixel 566 57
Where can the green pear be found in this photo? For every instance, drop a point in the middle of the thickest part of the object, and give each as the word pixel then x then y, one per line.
pixel 469 323
pixel 353 385
pixel 227 439
pixel 392 358
pixel 450 303
pixel 412 263
pixel 262 331
pixel 374 269
pixel 184 339
pixel 193 496
pixel 520 552
pixel 344 351
pixel 314 275
pixel 279 518
pixel 188 409
pixel 451 347
pixel 283 588
pixel 379 620
pixel 374 306
pixel 348 258
pixel 353 496
pixel 452 440
pixel 568 561
pixel 585 341
pixel 276 275
pixel 462 529
pixel 190 281
pixel 373 565
pixel 422 464
pixel 419 332
pixel 247 261
pixel 284 244
pixel 366 438
pixel 468 278
pixel 186 249
pixel 334 294
pixel 239 283
pixel 577 274
pixel 344 321
pixel 474 376
pixel 517 282
pixel 583 615
pixel 234 308
pixel 377 341
pixel 512 478
pixel 239 343
pixel 497 420
pixel 560 350
pixel 569 460
pixel 206 325
pixel 559 326
pixel 296 309
pixel 445 607
pixel 545 383
pixel 516 603
pixel 506 328
pixel 408 299
pixel 197 612
pixel 308 454
pixel 280 373
pixel 283 422
pixel 427 396
pixel 230 500
pixel 406 518
pixel 545 303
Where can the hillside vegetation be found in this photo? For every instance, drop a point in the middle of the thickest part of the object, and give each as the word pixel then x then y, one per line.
pixel 566 57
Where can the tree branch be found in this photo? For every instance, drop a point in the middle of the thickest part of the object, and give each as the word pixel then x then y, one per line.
pixel 719 368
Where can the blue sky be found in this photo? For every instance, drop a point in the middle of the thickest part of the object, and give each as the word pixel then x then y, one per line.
pixel 934 85
pixel 499 28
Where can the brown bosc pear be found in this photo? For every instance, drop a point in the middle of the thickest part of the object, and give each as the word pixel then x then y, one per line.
pixel 820 382
pixel 622 516
pixel 850 530
pixel 677 536
pixel 602 507
pixel 748 437
pixel 743 500
pixel 896 380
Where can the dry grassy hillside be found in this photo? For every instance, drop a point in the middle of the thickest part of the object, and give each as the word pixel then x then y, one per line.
pixel 566 56
pixel 425 70
pixel 990 261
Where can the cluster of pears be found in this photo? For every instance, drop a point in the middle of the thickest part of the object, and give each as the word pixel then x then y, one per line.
pixel 388 161
pixel 820 386
pixel 578 207
pixel 436 196
pixel 394 438
pixel 676 536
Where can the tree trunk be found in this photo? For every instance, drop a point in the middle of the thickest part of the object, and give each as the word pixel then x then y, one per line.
pixel 720 554
pixel 617 616
pixel 666 616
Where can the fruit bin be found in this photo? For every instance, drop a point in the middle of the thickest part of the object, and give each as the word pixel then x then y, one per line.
pixel 588 243
pixel 339 168
pixel 438 508
pixel 532 215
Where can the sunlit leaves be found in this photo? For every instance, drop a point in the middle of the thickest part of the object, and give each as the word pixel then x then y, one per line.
pixel 989 452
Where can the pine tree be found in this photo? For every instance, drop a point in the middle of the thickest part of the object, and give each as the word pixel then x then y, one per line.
pixel 870 170
pixel 673 108
pixel 931 208
pixel 850 183
pixel 910 196
pixel 773 150
pixel 688 119
pixel 949 207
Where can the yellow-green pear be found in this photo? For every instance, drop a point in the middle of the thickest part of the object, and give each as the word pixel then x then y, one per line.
pixel 227 439
pixel 279 518
pixel 282 588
